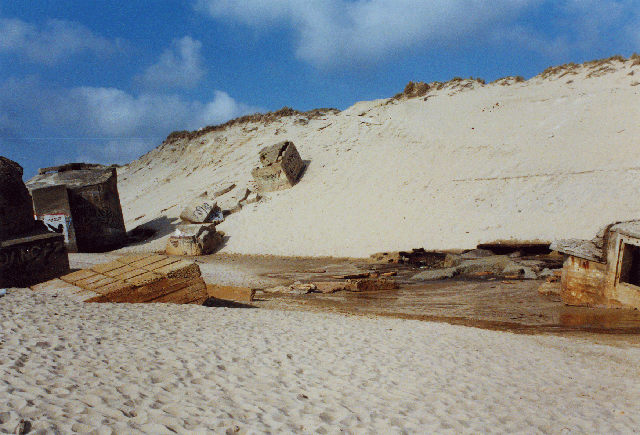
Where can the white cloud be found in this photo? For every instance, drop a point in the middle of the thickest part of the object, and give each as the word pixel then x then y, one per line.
pixel 338 31
pixel 181 65
pixel 222 108
pixel 113 112
pixel 113 151
pixel 335 32
pixel 105 125
pixel 54 41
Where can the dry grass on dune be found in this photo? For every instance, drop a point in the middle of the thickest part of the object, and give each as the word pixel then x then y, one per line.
pixel 265 118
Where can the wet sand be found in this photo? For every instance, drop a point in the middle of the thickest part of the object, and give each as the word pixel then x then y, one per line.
pixel 497 304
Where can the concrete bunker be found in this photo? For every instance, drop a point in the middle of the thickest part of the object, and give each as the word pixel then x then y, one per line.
pixel 82 202
pixel 604 271
pixel 28 252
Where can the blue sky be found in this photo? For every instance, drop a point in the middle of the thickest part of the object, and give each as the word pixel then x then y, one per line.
pixel 106 81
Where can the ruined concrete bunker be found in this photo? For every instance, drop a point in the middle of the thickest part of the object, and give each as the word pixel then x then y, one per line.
pixel 28 252
pixel 604 271
pixel 82 202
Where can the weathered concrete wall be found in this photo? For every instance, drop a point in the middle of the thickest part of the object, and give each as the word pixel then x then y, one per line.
pixel 602 277
pixel 618 292
pixel 583 282
pixel 51 205
pixel 28 252
pixel 97 216
pixel 16 210
pixel 29 260
pixel 94 203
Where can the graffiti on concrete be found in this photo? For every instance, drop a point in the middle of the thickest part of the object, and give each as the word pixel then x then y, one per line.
pixel 25 254
pixel 57 223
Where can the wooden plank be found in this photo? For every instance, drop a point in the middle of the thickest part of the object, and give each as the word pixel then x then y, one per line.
pixel 87 281
pixel 115 273
pixel 148 293
pixel 131 274
pixel 186 295
pixel 55 284
pixel 165 262
pixel 144 279
pixel 98 299
pixel 113 287
pixel 180 269
pixel 94 286
pixel 147 261
pixel 77 276
pixel 52 284
pixel 106 267
pixel 230 293
pixel 132 258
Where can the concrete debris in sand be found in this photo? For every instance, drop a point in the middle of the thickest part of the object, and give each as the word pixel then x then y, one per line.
pixel 281 167
pixel 202 209
pixel 194 239
pixel 481 262
pixel 352 285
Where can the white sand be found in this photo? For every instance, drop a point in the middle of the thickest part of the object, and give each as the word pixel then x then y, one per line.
pixel 158 368
pixel 544 159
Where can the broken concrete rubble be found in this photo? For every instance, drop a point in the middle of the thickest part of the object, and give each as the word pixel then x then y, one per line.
pixel 281 167
pixel 435 274
pixel 604 271
pixel 194 239
pixel 231 202
pixel 416 257
pixel 251 198
pixel 494 265
pixel 351 285
pixel 28 252
pixel 202 209
pixel 230 293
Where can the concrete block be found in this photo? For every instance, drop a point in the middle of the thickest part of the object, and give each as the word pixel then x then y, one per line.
pixel 16 208
pixel 281 169
pixel 435 274
pixel 93 201
pixel 201 210
pixel 32 259
pixel 230 293
pixel 51 206
pixel 194 239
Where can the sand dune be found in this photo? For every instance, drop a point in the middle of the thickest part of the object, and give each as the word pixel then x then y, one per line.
pixel 554 156
pixel 156 368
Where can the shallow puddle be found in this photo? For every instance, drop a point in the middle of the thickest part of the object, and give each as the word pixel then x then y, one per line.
pixel 515 306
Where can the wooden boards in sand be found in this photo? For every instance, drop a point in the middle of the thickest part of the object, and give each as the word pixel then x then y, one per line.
pixel 142 278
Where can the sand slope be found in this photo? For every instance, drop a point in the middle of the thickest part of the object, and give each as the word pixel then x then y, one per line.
pixel 156 368
pixel 552 157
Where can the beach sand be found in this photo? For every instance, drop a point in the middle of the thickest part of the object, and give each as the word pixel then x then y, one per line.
pixel 156 368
